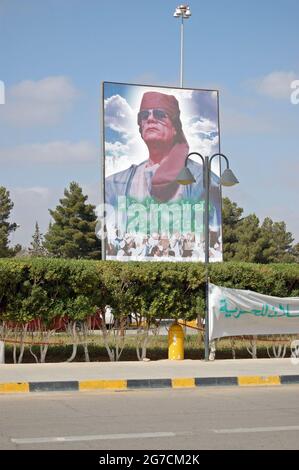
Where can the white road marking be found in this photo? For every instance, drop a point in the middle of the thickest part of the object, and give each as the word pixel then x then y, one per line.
pixel 261 429
pixel 100 437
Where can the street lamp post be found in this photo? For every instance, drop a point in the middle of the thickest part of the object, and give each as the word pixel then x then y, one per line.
pixel 227 179
pixel 183 12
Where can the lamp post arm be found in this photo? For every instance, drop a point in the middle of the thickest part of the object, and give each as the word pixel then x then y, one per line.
pixel 218 155
pixel 199 155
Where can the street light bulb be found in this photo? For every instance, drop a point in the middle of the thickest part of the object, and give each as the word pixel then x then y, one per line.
pixel 185 177
pixel 182 11
pixel 228 178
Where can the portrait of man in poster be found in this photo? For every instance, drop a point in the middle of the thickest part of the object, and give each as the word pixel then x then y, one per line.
pixel 149 176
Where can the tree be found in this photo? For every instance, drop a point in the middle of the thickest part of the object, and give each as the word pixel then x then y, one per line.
pixel 295 252
pixel 231 217
pixel 277 242
pixel 244 239
pixel 248 234
pixel 72 234
pixel 6 227
pixel 37 249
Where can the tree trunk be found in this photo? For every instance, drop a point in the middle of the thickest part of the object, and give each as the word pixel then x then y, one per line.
pixel 75 343
pixel 2 352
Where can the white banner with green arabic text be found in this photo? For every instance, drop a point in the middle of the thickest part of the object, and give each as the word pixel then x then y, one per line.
pixel 237 312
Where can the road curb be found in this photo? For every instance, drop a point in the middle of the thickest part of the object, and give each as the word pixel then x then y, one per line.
pixel 141 384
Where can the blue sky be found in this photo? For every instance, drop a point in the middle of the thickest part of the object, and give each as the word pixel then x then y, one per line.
pixel 55 53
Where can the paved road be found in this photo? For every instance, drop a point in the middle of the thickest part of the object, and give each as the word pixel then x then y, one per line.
pixel 218 418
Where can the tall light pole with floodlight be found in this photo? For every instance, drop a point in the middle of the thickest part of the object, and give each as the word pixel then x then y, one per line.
pixel 183 12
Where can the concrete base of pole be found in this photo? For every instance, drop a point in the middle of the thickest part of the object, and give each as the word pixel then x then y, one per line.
pixel 2 352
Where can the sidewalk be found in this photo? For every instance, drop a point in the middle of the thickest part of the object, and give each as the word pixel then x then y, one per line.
pixel 139 375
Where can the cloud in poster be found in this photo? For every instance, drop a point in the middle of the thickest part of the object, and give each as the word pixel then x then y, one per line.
pixel 203 126
pixel 199 119
pixel 119 115
pixel 127 146
pixel 117 156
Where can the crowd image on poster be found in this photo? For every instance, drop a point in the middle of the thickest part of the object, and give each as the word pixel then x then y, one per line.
pixel 148 134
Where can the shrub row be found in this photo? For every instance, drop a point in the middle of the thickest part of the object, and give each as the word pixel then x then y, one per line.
pixel 48 289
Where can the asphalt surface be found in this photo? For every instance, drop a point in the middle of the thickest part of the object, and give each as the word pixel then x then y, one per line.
pixel 217 418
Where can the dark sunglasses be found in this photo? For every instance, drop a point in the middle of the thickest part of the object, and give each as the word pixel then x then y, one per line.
pixel 158 114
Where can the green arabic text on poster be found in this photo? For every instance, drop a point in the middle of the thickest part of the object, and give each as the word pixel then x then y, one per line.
pixel 237 312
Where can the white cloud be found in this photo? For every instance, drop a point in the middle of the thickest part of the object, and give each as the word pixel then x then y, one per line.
pixel 117 157
pixel 50 152
pixel 122 118
pixel 186 94
pixel 203 145
pixel 34 190
pixel 38 103
pixel 120 156
pixel 46 90
pixel 276 84
pixel 204 126
pixel 202 136
pixel 240 122
pixel 247 115
pixel 116 149
pixel 119 116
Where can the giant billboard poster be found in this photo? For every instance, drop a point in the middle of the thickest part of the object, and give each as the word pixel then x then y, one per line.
pixel 148 134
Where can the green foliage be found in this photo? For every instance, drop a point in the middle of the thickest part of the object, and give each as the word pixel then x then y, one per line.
pixel 278 242
pixel 37 249
pixel 295 252
pixel 44 289
pixel 231 216
pixel 6 227
pixel 154 290
pixel 245 240
pixel 72 234
pixel 247 246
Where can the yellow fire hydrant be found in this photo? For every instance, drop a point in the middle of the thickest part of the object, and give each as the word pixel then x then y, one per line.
pixel 176 343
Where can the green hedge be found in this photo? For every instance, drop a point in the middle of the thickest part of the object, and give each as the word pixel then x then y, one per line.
pixel 50 288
